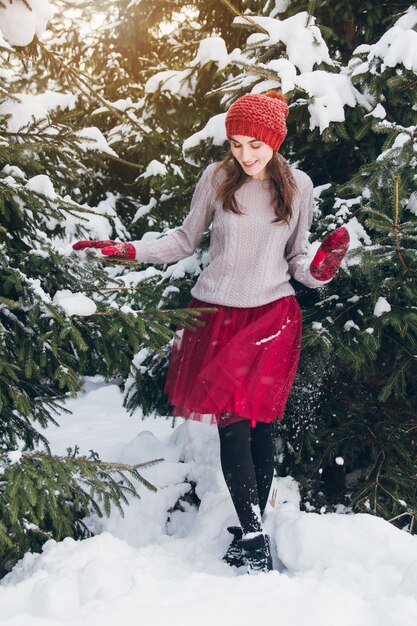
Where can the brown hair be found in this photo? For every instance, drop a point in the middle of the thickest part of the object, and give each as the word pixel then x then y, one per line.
pixel 281 181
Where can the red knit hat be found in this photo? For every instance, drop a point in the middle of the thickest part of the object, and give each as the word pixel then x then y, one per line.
pixel 259 115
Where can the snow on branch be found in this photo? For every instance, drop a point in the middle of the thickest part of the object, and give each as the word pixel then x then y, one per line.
pixel 21 21
pixel 303 40
pixel 398 46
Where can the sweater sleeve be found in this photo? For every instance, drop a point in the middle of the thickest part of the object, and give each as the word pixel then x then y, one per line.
pixel 296 250
pixel 184 240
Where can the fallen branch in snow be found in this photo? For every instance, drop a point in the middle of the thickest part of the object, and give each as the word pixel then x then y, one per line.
pixel 402 515
pixel 273 499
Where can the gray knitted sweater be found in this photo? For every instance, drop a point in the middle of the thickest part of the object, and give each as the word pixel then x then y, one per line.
pixel 252 259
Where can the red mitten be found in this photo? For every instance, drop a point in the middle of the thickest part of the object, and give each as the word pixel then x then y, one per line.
pixel 108 248
pixel 330 254
pixel 120 251
pixel 93 243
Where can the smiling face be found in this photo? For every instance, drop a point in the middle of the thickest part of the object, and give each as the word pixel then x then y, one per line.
pixel 253 155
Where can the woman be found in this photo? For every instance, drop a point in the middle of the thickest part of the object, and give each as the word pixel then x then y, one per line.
pixel 237 370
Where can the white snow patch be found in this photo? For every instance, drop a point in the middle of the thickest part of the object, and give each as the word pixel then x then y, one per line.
pixel 211 49
pixel 122 104
pixel 350 324
pixel 154 168
pixel 382 306
pixel 74 303
pixel 93 139
pixel 189 265
pixel 287 73
pixel 41 184
pixel 400 141
pixel 139 358
pixel 215 130
pixel 304 42
pixel 357 234
pixel 280 7
pixel 180 83
pixel 34 107
pixel 14 456
pixel 330 93
pixel 98 225
pixel 409 19
pixel 317 191
pixel 4 44
pixel 412 203
pixel 19 25
pixel 144 209
pixel 378 112
pixel 35 284
pixel 14 171
pixel 398 46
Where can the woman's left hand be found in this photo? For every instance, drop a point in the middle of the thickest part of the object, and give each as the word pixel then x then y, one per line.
pixel 330 254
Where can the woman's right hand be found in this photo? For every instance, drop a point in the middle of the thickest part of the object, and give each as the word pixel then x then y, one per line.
pixel 92 243
pixel 108 248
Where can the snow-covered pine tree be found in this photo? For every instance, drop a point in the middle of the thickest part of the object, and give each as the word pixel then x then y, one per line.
pixel 365 321
pixel 370 414
pixel 61 316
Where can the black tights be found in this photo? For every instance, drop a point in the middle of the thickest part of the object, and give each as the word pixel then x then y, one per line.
pixel 247 460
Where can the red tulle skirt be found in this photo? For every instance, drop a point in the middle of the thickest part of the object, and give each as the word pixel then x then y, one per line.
pixel 240 365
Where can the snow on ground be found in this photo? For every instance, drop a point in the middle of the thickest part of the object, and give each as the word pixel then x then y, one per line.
pixel 153 568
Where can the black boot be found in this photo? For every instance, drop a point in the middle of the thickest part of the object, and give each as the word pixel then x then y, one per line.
pixel 257 553
pixel 234 555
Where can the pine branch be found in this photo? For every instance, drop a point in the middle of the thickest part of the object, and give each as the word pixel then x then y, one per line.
pixel 397 229
pixel 190 312
pixel 77 78
pixel 51 492
pixel 55 144
pixel 97 463
pixel 6 92
pixel 143 288
pixel 119 159
pixel 25 2
pixel 236 11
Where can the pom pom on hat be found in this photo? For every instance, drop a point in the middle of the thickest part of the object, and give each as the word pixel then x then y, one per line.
pixel 259 115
